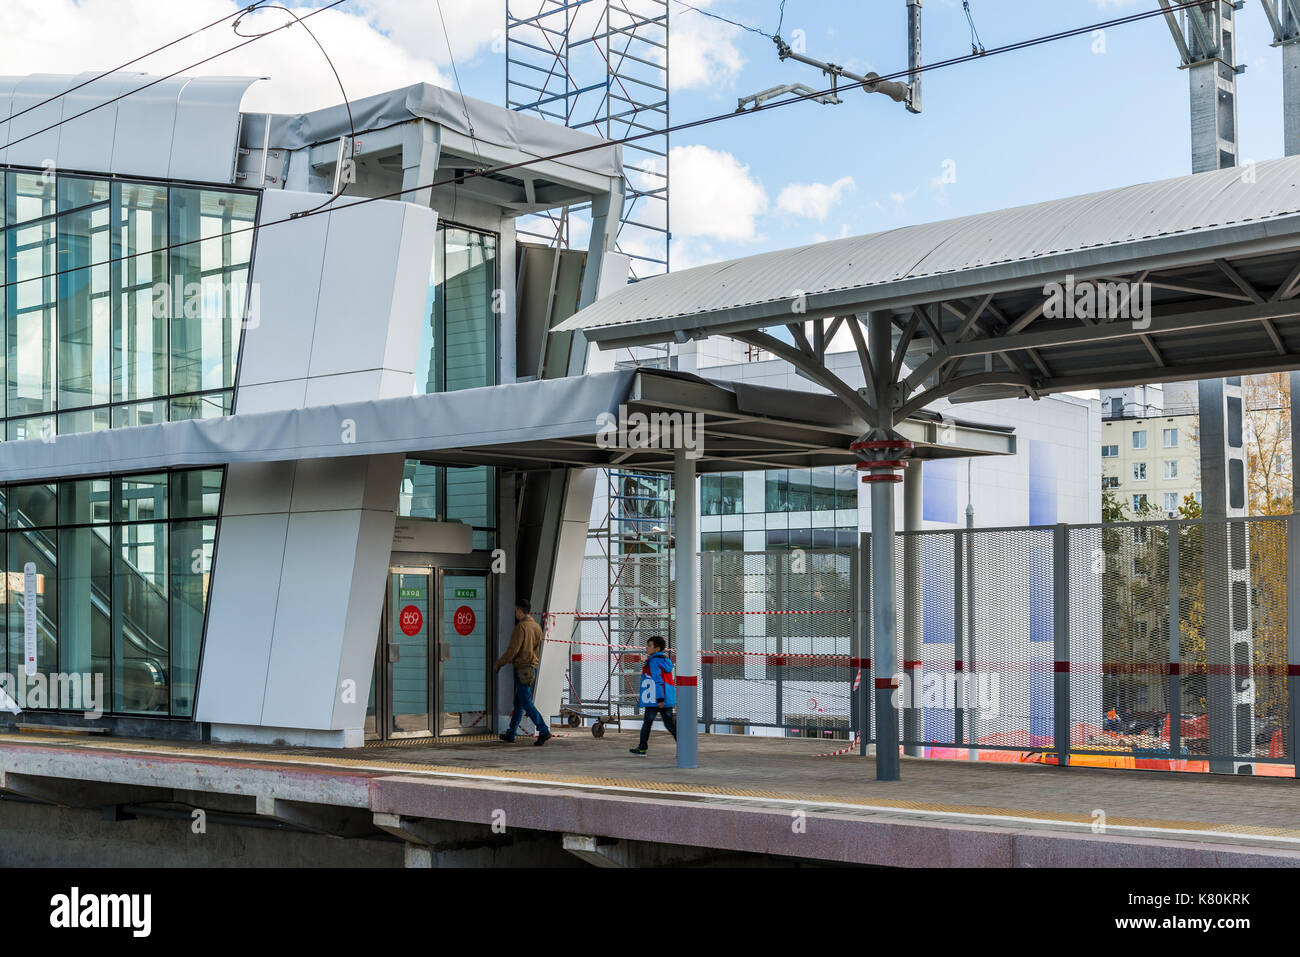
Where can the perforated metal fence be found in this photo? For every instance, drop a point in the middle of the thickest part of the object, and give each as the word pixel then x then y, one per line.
pixel 777 639
pixel 1159 644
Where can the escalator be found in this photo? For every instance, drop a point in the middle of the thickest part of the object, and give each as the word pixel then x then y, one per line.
pixel 140 682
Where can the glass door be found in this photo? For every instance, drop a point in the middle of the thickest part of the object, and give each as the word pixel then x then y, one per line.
pixel 462 672
pixel 400 704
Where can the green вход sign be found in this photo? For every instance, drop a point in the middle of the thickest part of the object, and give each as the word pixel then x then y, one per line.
pixel 466 593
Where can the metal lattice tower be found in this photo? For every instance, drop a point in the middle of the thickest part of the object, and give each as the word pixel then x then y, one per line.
pixel 1205 35
pixel 600 66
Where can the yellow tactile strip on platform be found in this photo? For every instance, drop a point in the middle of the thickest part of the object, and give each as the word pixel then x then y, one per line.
pixel 664 787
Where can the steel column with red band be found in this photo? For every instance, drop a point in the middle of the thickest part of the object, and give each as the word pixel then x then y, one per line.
pixel 892 458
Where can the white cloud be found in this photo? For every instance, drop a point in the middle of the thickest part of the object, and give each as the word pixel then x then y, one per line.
pixel 714 195
pixel 417 28
pixel 704 50
pixel 813 200
pixel 66 36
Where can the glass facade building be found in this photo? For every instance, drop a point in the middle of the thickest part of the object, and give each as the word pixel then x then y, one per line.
pixel 458 350
pixel 124 301
pixel 123 306
pixel 122 567
pixel 780 508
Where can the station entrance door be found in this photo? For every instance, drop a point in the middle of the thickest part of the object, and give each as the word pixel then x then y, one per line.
pixel 433 665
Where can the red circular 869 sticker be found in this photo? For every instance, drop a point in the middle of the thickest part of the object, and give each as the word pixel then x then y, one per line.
pixel 463 620
pixel 410 620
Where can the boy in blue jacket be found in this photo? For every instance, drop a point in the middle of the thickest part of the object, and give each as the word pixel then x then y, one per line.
pixel 658 691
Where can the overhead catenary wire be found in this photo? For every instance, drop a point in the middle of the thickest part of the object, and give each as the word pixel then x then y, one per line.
pixel 976 44
pixel 462 175
pixel 143 56
pixel 169 76
pixel 347 103
pixel 464 104
pixel 717 16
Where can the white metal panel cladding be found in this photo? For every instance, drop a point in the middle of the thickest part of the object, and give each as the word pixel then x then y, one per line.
pixel 146 122
pixel 37 149
pixel 291 255
pixel 7 86
pixel 86 142
pixel 1090 230
pixel 206 134
pixel 183 128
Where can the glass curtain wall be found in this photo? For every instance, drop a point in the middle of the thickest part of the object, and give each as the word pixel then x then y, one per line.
pixel 458 350
pixel 780 508
pixel 122 569
pixel 123 301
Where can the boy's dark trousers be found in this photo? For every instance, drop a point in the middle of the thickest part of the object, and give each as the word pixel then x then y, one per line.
pixel 669 722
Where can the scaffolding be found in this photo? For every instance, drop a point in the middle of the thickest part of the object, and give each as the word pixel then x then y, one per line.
pixel 626 597
pixel 600 66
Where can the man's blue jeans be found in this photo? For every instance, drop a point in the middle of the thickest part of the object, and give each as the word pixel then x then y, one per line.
pixel 524 705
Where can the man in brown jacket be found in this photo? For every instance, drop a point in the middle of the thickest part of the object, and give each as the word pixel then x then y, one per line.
pixel 524 653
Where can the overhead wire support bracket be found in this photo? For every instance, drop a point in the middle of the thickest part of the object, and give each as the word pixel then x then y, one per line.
pixel 758 99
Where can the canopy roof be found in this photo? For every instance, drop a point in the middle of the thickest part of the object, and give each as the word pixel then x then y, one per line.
pixel 1220 253
pixel 544 424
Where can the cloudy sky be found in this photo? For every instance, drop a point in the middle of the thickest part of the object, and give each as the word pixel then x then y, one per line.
pixel 1057 120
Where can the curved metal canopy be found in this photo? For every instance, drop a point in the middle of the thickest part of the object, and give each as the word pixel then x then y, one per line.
pixel 1216 256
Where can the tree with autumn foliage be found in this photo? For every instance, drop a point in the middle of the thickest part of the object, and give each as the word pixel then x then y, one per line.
pixel 1266 403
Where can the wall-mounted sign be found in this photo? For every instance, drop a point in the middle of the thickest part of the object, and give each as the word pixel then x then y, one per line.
pixel 29 618
pixel 411 620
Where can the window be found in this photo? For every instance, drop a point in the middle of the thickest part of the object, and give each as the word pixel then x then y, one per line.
pixel 1139 471
pixel 1140 439
pixel 1171 502
pixel 788 490
pixel 1110 481
pixel 722 494
pixel 1139 504
pixel 1109 451
pixel 1116 407
pixel 1170 438
pixel 458 350
pixel 122 569
pixel 823 489
pixel 105 327
pixel 1171 469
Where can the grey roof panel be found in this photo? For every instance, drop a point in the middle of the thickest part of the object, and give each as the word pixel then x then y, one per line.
pixel 530 135
pixel 1094 231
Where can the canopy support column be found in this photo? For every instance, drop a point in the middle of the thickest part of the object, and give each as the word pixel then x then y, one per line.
pixel 883 452
pixel 688 600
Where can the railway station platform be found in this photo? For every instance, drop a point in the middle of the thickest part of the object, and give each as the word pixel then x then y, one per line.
pixel 587 800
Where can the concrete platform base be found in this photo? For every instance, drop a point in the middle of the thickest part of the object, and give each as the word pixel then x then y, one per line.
pixel 588 801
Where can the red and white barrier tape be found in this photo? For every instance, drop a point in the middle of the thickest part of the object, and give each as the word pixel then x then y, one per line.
pixel 836 754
